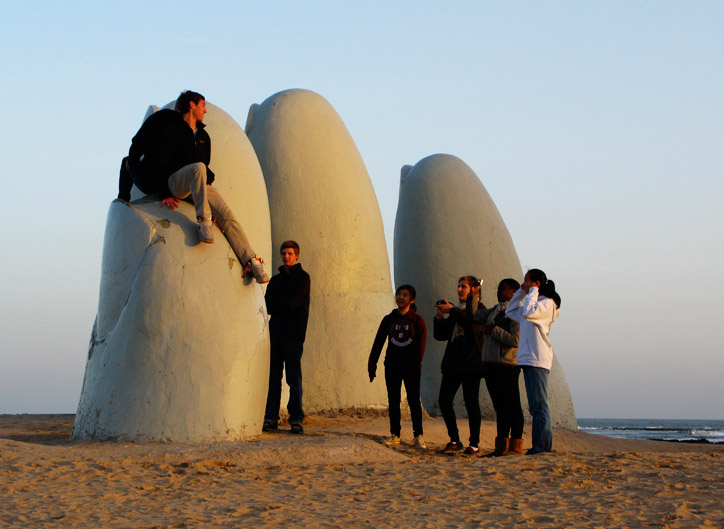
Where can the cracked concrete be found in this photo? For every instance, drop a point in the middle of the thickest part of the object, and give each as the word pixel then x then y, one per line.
pixel 320 195
pixel 180 348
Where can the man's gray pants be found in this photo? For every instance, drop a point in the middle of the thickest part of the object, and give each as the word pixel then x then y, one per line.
pixel 191 180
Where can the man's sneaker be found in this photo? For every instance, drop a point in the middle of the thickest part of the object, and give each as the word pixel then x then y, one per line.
pixel 268 426
pixel 297 428
pixel 419 442
pixel 206 232
pixel 257 270
pixel 452 446
pixel 393 440
pixel 471 451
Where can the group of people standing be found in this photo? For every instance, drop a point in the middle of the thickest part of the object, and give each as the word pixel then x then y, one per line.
pixel 492 343
pixel 170 156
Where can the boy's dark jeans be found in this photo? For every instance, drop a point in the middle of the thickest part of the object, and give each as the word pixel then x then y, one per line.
pixel 286 354
pixel 394 377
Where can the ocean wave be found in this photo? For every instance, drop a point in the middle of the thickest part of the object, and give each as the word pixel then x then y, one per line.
pixel 674 430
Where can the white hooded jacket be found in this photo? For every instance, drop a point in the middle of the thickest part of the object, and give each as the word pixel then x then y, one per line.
pixel 535 314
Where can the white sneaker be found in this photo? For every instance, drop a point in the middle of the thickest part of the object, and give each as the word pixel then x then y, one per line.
pixel 256 265
pixel 392 440
pixel 420 442
pixel 206 232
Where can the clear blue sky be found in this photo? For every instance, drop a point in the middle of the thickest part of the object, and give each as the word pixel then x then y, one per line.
pixel 597 127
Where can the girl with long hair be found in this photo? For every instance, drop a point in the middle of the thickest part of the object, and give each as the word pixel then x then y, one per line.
pixel 536 306
pixel 462 364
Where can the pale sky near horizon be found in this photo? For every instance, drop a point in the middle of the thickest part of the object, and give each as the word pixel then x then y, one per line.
pixel 597 128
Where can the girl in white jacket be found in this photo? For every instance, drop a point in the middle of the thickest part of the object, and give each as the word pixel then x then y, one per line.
pixel 536 306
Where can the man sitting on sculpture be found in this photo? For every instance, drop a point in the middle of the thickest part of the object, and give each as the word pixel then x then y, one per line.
pixel 170 156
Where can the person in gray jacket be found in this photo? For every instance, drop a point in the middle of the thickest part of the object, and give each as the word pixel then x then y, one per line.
pixel 501 370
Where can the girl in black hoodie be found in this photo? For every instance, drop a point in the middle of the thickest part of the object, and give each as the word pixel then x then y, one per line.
pixel 462 363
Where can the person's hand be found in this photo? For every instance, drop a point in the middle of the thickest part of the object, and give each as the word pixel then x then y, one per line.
pixel 372 375
pixel 128 166
pixel 444 308
pixel 170 202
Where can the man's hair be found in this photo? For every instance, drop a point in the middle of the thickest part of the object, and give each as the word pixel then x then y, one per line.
pixel 184 98
pixel 510 283
pixel 409 288
pixel 290 244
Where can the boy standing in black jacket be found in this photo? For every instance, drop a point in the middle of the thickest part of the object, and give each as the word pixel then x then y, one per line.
pixel 287 302
pixel 406 334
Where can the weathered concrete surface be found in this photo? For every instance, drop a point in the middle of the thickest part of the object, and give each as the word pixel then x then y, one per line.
pixel 447 226
pixel 179 350
pixel 321 196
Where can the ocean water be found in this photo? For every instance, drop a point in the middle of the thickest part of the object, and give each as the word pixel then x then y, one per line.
pixel 676 430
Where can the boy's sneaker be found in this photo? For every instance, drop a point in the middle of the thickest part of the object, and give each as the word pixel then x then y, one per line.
pixel 452 446
pixel 419 442
pixel 392 440
pixel 268 426
pixel 256 265
pixel 471 451
pixel 206 230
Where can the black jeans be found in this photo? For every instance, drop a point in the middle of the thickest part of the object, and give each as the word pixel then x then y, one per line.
pixel 502 383
pixel 286 355
pixel 471 388
pixel 394 377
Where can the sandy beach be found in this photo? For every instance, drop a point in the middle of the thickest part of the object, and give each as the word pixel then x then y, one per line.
pixel 339 475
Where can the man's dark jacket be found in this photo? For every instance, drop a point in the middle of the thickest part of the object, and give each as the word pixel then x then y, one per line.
pixel 164 144
pixel 287 301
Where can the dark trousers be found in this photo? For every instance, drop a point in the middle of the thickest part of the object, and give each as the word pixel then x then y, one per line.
pixel 394 377
pixel 471 388
pixel 286 355
pixel 502 383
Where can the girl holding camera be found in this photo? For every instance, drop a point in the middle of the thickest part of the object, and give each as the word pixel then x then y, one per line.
pixel 462 363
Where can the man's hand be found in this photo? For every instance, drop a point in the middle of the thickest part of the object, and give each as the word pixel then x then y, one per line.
pixel 170 202
pixel 372 373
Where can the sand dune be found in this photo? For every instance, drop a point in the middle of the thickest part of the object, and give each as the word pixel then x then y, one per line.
pixel 339 475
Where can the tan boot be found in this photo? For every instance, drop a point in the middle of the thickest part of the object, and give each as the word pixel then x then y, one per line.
pixel 515 448
pixel 501 445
